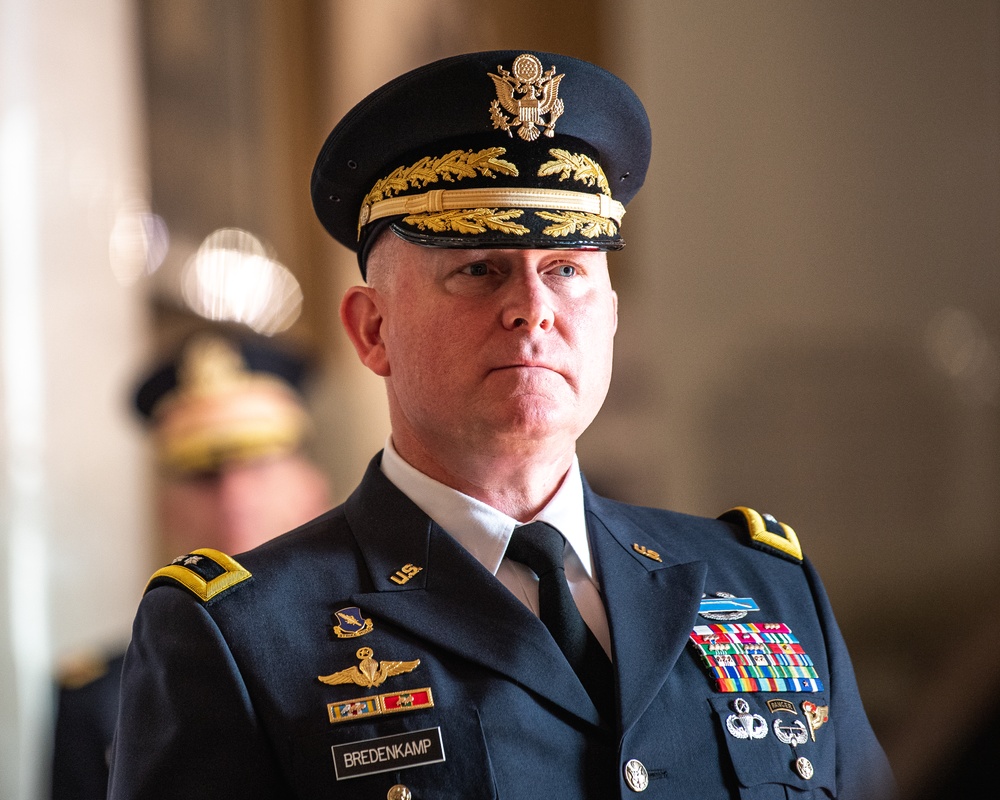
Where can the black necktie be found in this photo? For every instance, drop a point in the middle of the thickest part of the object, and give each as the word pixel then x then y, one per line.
pixel 539 546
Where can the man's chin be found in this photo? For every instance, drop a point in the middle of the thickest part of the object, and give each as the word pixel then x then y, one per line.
pixel 531 419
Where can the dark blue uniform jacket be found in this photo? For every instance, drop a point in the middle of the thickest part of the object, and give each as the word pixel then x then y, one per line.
pixel 222 698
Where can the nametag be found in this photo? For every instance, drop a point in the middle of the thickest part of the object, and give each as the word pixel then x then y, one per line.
pixel 388 753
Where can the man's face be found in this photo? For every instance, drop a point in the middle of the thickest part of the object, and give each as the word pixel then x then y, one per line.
pixel 494 349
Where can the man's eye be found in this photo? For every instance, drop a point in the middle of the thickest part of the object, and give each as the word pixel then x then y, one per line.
pixel 477 270
pixel 565 271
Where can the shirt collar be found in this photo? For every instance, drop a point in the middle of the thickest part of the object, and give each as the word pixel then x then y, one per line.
pixel 481 529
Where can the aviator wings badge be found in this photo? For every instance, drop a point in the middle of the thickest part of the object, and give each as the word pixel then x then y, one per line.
pixel 369 672
pixel 528 95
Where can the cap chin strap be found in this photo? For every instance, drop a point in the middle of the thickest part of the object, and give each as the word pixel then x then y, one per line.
pixel 438 200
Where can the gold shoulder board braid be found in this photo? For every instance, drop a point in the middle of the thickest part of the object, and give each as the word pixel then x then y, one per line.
pixel 183 571
pixel 786 546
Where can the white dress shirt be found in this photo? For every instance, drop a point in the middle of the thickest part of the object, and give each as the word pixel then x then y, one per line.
pixel 485 532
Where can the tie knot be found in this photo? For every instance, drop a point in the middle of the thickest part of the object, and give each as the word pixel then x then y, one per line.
pixel 537 545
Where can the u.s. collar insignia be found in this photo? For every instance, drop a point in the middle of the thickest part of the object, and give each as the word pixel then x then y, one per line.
pixel 351 623
pixel 369 672
pixel 645 551
pixel 726 607
pixel 528 94
pixel 404 574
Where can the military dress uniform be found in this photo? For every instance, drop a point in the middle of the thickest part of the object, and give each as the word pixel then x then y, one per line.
pixel 457 690
pixel 368 654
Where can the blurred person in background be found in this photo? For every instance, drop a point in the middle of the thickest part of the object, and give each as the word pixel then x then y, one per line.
pixel 228 424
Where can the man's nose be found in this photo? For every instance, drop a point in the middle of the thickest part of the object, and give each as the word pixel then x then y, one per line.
pixel 528 305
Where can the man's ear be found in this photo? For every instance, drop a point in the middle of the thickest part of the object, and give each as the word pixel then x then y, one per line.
pixel 362 319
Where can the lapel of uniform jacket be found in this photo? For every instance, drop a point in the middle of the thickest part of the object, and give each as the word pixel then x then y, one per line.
pixel 452 601
pixel 652 605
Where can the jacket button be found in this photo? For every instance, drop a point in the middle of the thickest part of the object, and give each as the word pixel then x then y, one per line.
pixel 398 792
pixel 804 767
pixel 636 776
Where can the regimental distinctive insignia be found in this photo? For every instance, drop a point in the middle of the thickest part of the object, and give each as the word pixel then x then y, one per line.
pixel 528 95
pixel 743 724
pixel 369 672
pixel 645 551
pixel 726 607
pixel 816 716
pixel 412 700
pixel 404 574
pixel 351 623
pixel 761 657
pixel 793 733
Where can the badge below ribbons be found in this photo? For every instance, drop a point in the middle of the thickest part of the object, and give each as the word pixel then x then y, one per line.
pixel 761 657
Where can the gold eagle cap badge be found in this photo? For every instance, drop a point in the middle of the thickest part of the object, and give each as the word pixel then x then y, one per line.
pixel 369 672
pixel 529 95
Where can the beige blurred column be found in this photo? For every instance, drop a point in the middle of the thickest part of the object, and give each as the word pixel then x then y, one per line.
pixel 71 323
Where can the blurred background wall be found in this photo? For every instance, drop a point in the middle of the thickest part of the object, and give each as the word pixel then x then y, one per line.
pixel 809 297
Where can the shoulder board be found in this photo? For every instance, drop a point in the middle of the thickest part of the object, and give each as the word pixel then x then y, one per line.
pixel 766 533
pixel 207 573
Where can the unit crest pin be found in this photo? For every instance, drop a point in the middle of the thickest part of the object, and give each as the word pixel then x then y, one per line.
pixel 351 623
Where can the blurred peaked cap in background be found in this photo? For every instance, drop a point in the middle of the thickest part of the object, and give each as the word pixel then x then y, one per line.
pixel 222 400
pixel 508 148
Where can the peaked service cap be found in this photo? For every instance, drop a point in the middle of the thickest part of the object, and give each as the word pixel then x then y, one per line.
pixel 508 148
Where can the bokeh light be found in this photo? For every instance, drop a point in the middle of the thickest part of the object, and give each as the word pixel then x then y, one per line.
pixel 232 278
pixel 959 346
pixel 138 243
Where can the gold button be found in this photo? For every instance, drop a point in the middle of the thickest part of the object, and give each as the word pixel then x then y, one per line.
pixel 804 767
pixel 398 792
